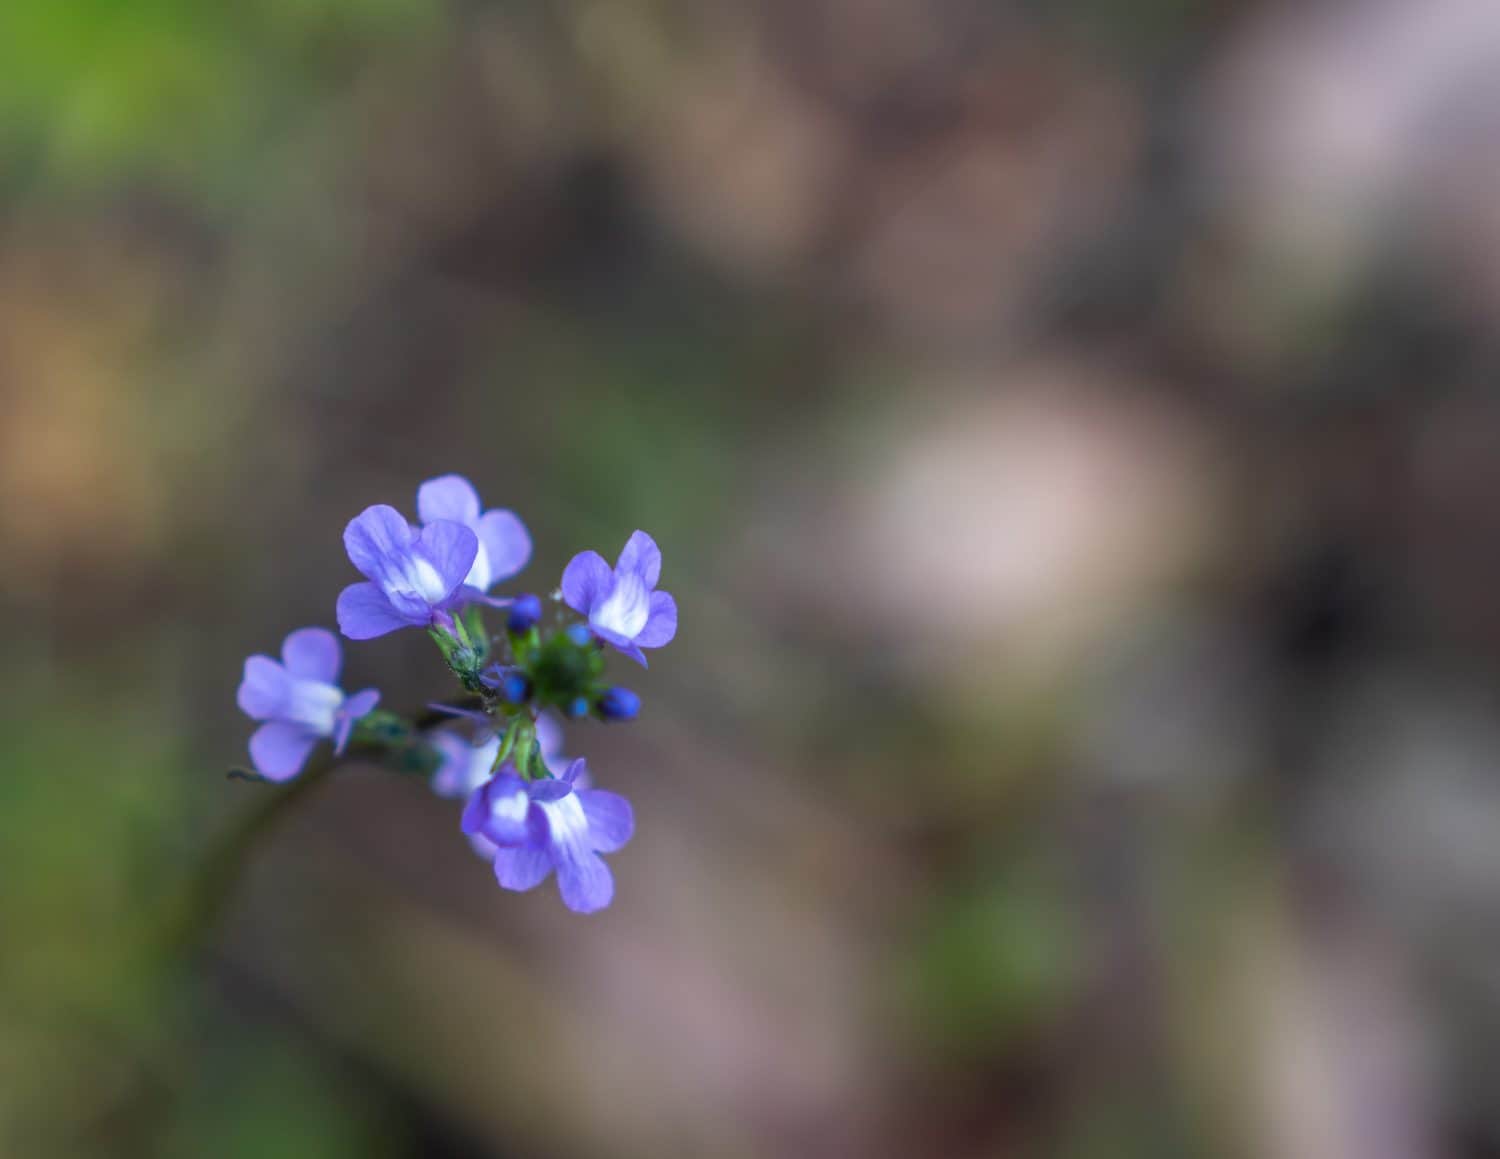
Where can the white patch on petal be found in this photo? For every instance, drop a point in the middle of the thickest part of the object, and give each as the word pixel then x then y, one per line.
pixel 464 766
pixel 314 704
pixel 481 762
pixel 566 820
pixel 481 574
pixel 510 808
pixel 626 609
pixel 422 579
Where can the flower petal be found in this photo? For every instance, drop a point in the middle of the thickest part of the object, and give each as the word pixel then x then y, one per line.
pixel 586 883
pixel 506 542
pixel 448 497
pixel 279 750
pixel 611 819
pixel 364 613
pixel 356 707
pixel 313 654
pixel 361 703
pixel 520 868
pixel 375 537
pixel 625 647
pixel 498 809
pixel 549 737
pixel 625 610
pixel 584 879
pixel 661 624
pixel 469 594
pixel 473 714
pixel 452 776
pixel 464 766
pixel 586 578
pixel 450 548
pixel 640 557
pixel 264 691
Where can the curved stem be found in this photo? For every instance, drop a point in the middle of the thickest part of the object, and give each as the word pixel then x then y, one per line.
pixel 195 918
pixel 190 922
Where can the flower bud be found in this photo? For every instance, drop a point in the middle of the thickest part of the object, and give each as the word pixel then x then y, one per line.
pixel 525 611
pixel 515 688
pixel 580 635
pixel 619 704
pixel 510 683
pixel 578 707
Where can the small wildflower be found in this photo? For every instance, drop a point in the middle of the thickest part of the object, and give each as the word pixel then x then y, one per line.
pixel 464 765
pixel 551 824
pixel 623 607
pixel 415 577
pixel 504 542
pixel 503 761
pixel 300 702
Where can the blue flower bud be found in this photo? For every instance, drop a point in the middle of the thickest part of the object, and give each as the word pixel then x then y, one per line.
pixel 619 704
pixel 579 707
pixel 515 688
pixel 580 635
pixel 510 683
pixel 525 611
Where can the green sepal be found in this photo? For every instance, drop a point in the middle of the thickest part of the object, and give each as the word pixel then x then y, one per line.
pixel 472 621
pixel 382 728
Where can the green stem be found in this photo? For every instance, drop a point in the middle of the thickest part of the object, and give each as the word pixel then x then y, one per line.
pixel 507 743
pixel 193 919
pixel 208 892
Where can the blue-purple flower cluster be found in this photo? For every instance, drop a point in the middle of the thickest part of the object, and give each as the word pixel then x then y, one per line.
pixel 499 749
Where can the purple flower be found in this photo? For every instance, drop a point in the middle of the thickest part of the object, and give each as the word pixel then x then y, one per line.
pixel 415 577
pixel 464 765
pixel 623 606
pixel 504 544
pixel 548 824
pixel 300 702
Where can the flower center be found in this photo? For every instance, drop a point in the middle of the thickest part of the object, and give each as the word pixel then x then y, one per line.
pixel 509 807
pixel 315 704
pixel 566 820
pixel 421 579
pixel 626 609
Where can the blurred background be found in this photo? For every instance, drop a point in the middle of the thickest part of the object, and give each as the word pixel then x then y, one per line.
pixel 1073 435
